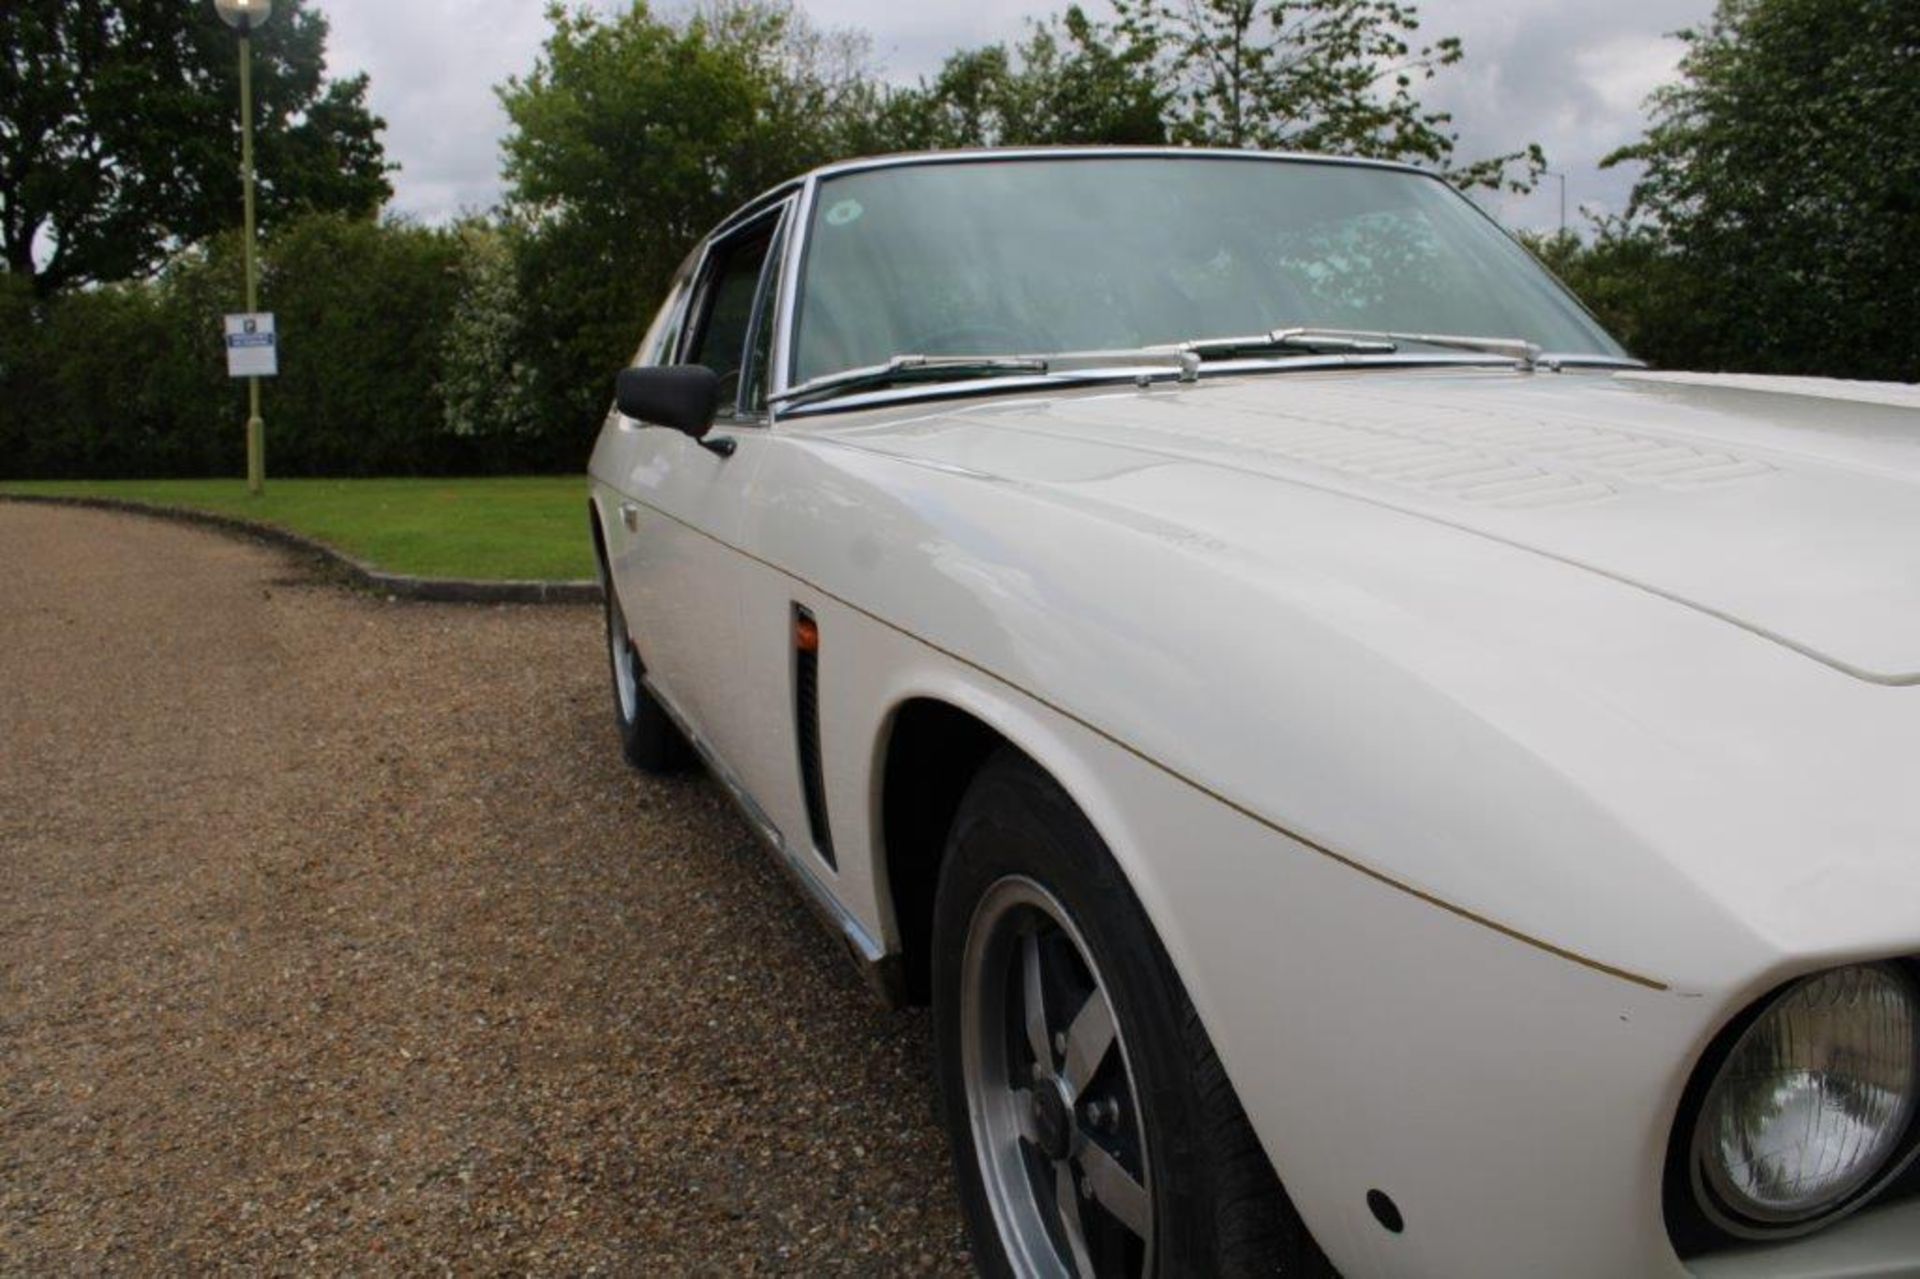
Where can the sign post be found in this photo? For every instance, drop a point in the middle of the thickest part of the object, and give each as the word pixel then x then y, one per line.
pixel 253 349
pixel 253 352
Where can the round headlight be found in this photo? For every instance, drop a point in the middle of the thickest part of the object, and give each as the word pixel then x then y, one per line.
pixel 1815 1099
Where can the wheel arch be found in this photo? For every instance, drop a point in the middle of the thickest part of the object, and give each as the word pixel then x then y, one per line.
pixel 932 743
pixel 597 526
pixel 932 746
pixel 932 750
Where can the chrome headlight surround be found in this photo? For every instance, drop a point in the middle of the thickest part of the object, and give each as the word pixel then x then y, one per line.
pixel 1824 1070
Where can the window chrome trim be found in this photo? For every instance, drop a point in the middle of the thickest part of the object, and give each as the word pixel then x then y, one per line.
pixel 786 318
pixel 765 292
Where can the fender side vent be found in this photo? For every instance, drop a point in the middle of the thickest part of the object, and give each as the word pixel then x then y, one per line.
pixel 806 728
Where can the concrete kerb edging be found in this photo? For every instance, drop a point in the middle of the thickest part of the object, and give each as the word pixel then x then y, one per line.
pixel 452 590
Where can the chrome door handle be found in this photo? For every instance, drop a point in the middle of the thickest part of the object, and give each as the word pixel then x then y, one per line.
pixel 630 516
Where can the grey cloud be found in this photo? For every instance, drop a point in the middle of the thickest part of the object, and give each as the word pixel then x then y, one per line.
pixel 433 66
pixel 1568 74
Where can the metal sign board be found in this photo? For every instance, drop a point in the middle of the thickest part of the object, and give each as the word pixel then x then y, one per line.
pixel 253 348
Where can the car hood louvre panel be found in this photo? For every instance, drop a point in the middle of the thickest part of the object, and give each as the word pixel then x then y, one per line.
pixel 1786 514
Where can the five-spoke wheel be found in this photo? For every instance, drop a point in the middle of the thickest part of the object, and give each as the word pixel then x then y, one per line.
pixel 1094 1130
pixel 1055 1112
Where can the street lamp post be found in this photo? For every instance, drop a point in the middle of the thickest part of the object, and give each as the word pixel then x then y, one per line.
pixel 244 16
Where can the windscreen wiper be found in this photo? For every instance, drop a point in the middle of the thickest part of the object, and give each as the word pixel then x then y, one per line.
pixel 903 368
pixel 1145 363
pixel 1358 342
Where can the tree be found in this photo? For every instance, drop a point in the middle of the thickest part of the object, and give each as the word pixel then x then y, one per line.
pixel 631 137
pixel 119 133
pixel 1335 76
pixel 1635 285
pixel 1782 184
pixel 365 307
pixel 1062 84
pixel 486 387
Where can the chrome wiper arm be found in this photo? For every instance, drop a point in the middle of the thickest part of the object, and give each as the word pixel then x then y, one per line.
pixel 1291 339
pixel 901 367
pixel 1362 342
pixel 1141 363
pixel 1514 348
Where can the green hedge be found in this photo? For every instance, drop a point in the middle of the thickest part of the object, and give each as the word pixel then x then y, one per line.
pixel 130 380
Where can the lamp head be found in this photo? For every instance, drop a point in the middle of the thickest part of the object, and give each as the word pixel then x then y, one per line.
pixel 244 14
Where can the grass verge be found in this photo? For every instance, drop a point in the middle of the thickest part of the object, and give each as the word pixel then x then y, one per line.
pixel 520 527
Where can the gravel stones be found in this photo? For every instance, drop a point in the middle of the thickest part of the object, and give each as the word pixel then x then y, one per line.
pixel 334 936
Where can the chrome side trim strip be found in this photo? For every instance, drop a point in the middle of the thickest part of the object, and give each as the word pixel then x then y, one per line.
pixel 884 973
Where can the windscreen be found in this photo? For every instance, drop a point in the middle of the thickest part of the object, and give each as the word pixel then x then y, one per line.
pixel 1035 256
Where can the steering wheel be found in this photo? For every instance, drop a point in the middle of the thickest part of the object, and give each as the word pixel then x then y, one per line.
pixel 974 339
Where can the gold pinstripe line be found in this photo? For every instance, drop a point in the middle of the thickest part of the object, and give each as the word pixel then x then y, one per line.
pixel 1332 854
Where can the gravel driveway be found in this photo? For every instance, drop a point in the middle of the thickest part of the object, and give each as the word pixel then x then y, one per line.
pixel 334 936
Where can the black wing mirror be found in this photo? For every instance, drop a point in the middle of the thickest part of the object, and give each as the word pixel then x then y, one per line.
pixel 682 396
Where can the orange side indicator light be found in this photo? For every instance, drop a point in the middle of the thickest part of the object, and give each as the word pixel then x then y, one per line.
pixel 806 636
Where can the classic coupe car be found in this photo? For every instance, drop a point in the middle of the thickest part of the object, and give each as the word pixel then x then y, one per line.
pixel 1367 775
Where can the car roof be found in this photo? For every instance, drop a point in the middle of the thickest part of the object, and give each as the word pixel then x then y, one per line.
pixel 902 159
pixel 909 159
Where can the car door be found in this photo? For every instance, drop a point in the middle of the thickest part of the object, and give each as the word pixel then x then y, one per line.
pixel 677 566
pixel 790 645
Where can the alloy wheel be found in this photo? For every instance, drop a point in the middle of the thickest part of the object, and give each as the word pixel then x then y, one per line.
pixel 626 665
pixel 1050 1092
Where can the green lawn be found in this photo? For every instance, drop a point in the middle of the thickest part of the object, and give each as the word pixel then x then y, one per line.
pixel 520 527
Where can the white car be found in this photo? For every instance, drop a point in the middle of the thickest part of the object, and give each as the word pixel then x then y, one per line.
pixel 1306 709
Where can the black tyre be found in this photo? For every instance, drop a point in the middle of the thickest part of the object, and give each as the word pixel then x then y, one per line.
pixel 648 738
pixel 1093 1130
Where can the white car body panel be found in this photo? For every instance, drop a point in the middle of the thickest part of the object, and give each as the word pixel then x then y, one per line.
pixel 1478 741
pixel 683 581
pixel 1538 681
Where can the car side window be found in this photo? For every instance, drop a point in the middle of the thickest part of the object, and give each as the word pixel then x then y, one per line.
pixel 733 282
pixel 663 335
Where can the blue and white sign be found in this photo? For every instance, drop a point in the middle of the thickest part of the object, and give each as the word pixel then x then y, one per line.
pixel 253 348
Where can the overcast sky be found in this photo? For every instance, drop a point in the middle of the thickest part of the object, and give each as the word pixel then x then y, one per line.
pixel 1569 74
